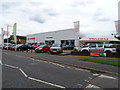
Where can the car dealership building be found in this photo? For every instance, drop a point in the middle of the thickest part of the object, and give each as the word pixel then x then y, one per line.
pixel 67 36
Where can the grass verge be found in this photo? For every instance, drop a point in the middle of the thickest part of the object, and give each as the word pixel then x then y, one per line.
pixel 113 63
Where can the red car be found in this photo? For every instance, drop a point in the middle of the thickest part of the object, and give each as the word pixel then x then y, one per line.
pixel 42 48
pixel 36 46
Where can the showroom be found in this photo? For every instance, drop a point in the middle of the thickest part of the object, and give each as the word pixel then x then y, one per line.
pixel 70 37
pixel 66 36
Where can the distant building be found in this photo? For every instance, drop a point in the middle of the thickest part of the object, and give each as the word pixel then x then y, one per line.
pixel 20 39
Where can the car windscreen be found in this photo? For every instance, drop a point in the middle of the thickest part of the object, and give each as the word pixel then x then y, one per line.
pixel 55 45
pixel 41 46
pixel 110 46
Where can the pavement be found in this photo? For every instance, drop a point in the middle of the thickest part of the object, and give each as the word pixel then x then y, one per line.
pixel 73 61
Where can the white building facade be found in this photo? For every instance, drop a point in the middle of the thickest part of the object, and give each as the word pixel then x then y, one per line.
pixel 67 36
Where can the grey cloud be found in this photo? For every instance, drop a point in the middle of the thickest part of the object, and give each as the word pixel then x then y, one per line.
pixel 104 19
pixel 9 5
pixel 38 19
pixel 100 16
pixel 50 11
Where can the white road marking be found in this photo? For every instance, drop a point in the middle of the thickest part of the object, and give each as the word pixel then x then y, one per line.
pixel 105 76
pixel 92 86
pixel 81 69
pixel 86 80
pixel 79 85
pixel 47 62
pixel 0 62
pixel 89 78
pixel 10 66
pixel 45 82
pixel 23 72
pixel 58 64
pixel 69 67
pixel 33 78
pixel 95 74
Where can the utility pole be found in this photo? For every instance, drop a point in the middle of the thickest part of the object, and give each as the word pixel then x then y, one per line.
pixel 7 35
pixel 2 33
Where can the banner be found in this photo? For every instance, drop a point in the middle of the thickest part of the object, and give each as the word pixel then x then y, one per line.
pixel 117 25
pixel 14 33
pixel 6 33
pixel 76 26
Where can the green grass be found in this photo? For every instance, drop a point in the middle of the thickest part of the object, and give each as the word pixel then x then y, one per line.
pixel 114 63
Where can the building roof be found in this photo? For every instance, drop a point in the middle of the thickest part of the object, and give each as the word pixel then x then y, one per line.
pixel 99 37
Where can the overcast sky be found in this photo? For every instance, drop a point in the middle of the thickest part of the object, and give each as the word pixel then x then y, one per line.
pixel 95 16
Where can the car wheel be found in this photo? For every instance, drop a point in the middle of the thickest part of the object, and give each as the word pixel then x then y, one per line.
pixel 84 51
pixel 42 51
pixel 108 53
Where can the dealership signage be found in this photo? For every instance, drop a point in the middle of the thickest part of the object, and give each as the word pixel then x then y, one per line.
pixel 49 37
pixel 98 38
pixel 31 38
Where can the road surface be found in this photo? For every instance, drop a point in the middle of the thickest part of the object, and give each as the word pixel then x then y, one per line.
pixel 24 72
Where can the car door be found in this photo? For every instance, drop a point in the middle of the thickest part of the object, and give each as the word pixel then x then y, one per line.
pixel 100 48
pixel 45 48
pixel 92 48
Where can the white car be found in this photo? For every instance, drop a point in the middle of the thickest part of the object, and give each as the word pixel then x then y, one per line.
pixel 107 48
pixel 80 47
pixel 56 48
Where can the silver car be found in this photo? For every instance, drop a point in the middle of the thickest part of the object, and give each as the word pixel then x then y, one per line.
pixel 56 48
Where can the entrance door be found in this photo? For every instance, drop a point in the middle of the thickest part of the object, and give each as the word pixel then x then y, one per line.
pixel 49 42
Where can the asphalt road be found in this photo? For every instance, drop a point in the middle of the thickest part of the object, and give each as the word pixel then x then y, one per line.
pixel 23 72
pixel 70 60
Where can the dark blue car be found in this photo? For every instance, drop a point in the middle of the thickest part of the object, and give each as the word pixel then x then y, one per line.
pixel 68 47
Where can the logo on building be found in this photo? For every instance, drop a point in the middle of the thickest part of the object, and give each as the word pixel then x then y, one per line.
pixel 98 38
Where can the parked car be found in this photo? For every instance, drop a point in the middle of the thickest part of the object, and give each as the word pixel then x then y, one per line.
pixel 68 47
pixel 22 47
pixel 6 45
pixel 16 47
pixel 56 48
pixel 36 46
pixel 10 46
pixel 42 48
pixel 107 48
pixel 76 48
pixel 118 48
pixel 1 46
pixel 29 46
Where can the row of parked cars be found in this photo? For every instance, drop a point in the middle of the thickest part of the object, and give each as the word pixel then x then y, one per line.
pixel 107 48
pixel 55 48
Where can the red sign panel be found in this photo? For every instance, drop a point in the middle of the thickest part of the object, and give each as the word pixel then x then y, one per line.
pixel 97 54
pixel 98 38
pixel 30 38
